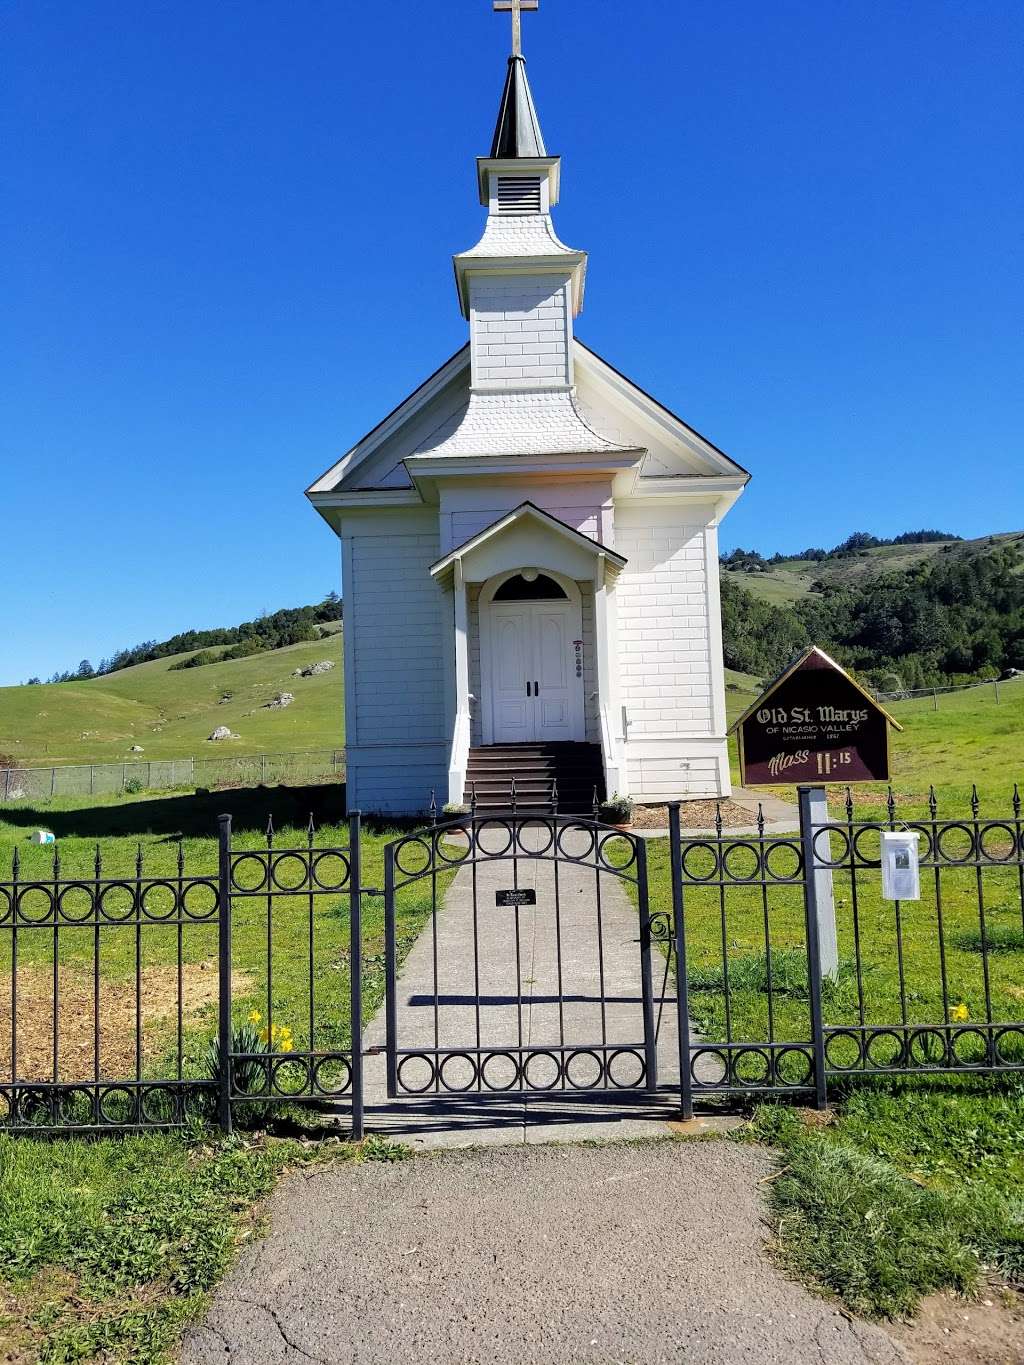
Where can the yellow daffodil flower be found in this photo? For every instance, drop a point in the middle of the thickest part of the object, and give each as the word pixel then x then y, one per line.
pixel 255 1017
pixel 959 1014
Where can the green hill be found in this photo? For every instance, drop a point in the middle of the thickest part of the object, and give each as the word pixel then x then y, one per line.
pixel 793 579
pixel 171 712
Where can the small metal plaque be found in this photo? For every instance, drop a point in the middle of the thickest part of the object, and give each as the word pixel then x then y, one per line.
pixel 526 896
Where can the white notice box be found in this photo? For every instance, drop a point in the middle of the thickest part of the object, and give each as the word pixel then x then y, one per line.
pixel 901 876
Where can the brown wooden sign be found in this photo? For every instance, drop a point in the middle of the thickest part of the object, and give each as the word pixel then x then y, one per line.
pixel 814 724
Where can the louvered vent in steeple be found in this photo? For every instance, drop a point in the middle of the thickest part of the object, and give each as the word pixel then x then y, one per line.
pixel 519 194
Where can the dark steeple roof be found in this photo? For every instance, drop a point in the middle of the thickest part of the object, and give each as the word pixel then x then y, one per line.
pixel 517 132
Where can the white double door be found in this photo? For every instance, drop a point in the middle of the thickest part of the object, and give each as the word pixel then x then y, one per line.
pixel 536 679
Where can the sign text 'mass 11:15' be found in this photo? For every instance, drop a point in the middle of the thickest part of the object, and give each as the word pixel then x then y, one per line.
pixel 814 723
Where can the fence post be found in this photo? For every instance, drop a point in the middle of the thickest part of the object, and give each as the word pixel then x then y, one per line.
pixel 675 844
pixel 811 918
pixel 355 891
pixel 224 974
pixel 819 878
pixel 263 769
pixel 390 971
pixel 995 687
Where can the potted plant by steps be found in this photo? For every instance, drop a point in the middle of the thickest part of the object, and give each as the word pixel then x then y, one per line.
pixel 617 810
pixel 452 810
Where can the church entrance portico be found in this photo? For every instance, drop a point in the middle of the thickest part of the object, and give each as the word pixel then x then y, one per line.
pixel 531 634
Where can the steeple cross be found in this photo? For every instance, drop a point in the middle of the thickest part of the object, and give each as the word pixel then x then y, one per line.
pixel 516 6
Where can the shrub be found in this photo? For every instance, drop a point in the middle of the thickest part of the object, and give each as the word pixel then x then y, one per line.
pixel 616 810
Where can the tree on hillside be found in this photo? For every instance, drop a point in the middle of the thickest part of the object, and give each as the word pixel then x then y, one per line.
pixel 85 670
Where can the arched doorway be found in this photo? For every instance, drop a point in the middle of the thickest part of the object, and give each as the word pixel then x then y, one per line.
pixel 531 671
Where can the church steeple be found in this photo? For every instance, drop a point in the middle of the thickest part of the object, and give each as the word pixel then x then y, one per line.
pixel 517 132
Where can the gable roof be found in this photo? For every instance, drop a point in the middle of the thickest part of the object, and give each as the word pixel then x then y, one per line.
pixel 625 390
pixel 527 511
pixel 805 654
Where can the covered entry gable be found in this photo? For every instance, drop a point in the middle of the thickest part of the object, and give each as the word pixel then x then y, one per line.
pixel 528 537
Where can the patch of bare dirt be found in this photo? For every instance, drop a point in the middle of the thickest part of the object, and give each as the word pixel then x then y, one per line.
pixel 987 1332
pixel 693 815
pixel 76 1018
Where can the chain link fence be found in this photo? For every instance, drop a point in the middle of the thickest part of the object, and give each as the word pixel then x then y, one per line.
pixel 163 774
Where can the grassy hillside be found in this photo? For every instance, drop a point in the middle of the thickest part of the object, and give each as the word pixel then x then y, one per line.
pixel 170 713
pixel 791 579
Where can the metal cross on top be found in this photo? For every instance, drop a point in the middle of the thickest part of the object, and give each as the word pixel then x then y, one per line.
pixel 516 6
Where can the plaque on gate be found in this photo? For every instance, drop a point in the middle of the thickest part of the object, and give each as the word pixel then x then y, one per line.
pixel 814 724
pixel 526 896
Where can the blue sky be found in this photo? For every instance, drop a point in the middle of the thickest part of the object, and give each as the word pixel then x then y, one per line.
pixel 225 249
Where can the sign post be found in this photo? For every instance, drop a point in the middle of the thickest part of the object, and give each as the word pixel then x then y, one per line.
pixel 815 724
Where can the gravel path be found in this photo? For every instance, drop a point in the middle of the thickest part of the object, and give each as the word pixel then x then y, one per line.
pixel 639 1252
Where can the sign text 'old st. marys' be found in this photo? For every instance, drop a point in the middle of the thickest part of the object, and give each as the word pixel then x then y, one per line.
pixel 814 723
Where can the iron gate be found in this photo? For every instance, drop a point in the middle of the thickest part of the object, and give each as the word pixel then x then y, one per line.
pixel 532 971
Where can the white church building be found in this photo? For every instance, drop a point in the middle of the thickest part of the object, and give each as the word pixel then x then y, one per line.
pixel 529 546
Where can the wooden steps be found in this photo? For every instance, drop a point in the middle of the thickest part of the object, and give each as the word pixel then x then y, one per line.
pixel 574 769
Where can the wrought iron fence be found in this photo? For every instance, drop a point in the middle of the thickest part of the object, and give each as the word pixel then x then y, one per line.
pixel 125 991
pixel 162 774
pixel 932 984
pixel 764 964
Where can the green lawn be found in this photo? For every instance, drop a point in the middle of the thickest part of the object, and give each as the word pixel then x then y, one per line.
pixel 914 1188
pixel 171 713
pixel 109 1248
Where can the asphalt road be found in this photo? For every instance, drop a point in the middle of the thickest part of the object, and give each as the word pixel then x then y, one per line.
pixel 631 1252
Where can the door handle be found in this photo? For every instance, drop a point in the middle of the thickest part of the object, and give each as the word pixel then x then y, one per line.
pixel 536 689
pixel 527 689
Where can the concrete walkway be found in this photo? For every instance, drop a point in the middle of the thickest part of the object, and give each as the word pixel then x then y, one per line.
pixel 563 1000
pixel 642 1253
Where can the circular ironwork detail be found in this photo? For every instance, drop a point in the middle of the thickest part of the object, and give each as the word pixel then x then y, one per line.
pixel 762 1063
pixel 6 904
pixel 832 1048
pixel 711 1055
pixel 610 862
pixel 500 1057
pixel 543 828
pixel 581 830
pixel 661 926
pixel 323 878
pixel 540 1057
pixel 118 1105
pixel 250 872
pixel 431 1073
pixel 691 852
pixel 1009 833
pixel 778 852
pixel 801 1077
pixel 30 910
pixel 150 900
pixel 827 839
pixel 450 849
pixel 35 1108
pixel 205 892
pixel 878 1038
pixel 579 1055
pixel 326 1087
pixel 75 1106
pixel 69 903
pixel 289 871
pixel 454 1088
pixel 250 1077
pixel 928 1047
pixel 505 831
pixel 739 851
pixel 112 906
pixel 413 848
pixel 160 1104
pixel 942 841
pixel 1014 1034
pixel 289 1075
pixel 867 845
pixel 629 1082
pixel 960 1040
